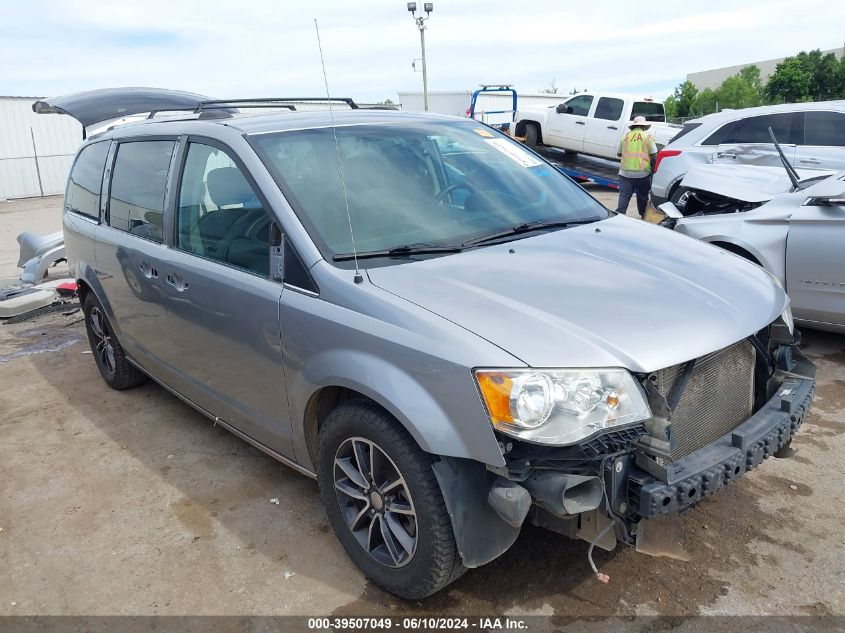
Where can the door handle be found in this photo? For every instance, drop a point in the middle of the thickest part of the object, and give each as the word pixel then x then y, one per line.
pixel 176 280
pixel 810 161
pixel 580 123
pixel 148 271
pixel 612 127
pixel 731 155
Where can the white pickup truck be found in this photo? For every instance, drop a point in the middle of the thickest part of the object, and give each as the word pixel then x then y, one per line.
pixel 591 123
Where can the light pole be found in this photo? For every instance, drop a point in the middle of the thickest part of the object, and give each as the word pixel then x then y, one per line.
pixel 428 7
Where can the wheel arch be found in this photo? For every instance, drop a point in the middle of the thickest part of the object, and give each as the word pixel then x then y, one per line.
pixel 321 403
pixel 519 130
pixel 738 249
pixel 461 431
pixel 87 282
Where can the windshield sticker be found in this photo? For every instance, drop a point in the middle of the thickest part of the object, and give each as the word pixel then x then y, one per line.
pixel 482 132
pixel 517 155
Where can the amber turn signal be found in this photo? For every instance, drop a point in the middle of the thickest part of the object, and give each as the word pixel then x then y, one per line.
pixel 496 390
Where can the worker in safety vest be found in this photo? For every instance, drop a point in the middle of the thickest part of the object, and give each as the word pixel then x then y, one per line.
pixel 637 152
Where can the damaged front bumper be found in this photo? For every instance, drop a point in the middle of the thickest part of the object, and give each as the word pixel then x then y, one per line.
pixel 582 491
pixel 714 466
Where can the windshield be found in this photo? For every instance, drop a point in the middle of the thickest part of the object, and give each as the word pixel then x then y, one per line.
pixel 410 183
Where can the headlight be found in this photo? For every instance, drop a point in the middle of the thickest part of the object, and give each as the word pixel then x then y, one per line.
pixel 560 406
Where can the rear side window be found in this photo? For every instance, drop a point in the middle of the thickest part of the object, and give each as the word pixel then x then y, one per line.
pixel 787 128
pixel 688 127
pixel 651 110
pixel 720 135
pixel 824 128
pixel 139 180
pixel 83 187
pixel 609 108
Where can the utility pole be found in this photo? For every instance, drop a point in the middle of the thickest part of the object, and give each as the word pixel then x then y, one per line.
pixel 428 7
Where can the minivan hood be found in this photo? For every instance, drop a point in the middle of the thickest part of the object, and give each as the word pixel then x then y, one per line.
pixel 618 293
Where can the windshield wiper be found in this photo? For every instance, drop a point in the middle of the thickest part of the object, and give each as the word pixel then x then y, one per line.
pixel 790 170
pixel 527 227
pixel 403 250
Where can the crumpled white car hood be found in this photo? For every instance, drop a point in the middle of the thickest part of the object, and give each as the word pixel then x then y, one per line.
pixel 748 183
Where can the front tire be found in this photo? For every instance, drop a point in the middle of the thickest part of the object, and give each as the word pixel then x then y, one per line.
pixel 679 197
pixel 384 503
pixel 531 134
pixel 111 360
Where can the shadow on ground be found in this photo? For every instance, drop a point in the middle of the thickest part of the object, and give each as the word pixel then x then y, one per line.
pixel 222 480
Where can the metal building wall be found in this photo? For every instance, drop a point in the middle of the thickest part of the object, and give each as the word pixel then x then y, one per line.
pixel 36 150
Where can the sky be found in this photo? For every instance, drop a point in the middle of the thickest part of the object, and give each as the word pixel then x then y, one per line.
pixel 251 48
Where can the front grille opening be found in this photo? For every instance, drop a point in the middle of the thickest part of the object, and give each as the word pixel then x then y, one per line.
pixel 718 397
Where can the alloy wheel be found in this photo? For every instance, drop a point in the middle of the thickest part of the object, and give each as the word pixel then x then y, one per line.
pixel 375 502
pixel 103 345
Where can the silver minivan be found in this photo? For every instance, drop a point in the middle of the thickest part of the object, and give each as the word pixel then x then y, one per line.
pixel 446 332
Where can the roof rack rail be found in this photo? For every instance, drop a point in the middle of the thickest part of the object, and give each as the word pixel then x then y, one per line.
pixel 270 102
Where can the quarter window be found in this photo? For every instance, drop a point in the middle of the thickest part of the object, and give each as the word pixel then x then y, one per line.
pixel 86 178
pixel 824 128
pixel 580 105
pixel 138 186
pixel 609 108
pixel 220 216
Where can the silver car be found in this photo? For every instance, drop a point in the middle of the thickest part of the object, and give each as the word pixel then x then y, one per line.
pixel 446 332
pixel 812 136
pixel 790 222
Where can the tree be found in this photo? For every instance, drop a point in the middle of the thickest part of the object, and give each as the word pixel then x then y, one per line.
pixel 842 77
pixel 551 89
pixel 670 106
pixel 742 90
pixel 684 97
pixel 790 83
pixel 387 102
pixel 751 74
pixel 706 102
pixel 826 83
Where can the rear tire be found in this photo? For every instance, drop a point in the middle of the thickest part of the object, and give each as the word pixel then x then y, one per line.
pixel 111 360
pixel 384 503
pixel 531 134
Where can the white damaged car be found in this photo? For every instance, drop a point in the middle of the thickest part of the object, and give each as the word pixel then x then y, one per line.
pixel 792 223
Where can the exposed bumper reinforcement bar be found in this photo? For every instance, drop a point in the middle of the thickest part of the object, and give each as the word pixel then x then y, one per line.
pixel 711 468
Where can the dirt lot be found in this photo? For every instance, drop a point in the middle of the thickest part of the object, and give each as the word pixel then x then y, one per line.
pixel 132 503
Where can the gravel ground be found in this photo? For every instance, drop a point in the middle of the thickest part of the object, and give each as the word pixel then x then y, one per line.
pixel 132 503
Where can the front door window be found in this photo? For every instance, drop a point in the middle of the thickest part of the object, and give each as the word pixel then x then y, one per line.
pixel 220 217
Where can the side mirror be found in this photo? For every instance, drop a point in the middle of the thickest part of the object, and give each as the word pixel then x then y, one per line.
pixel 277 253
pixel 563 109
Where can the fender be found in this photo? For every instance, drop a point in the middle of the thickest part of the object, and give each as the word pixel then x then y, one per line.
pixel 761 257
pixel 463 431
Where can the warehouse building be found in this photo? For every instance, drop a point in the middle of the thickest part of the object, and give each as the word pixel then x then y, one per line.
pixel 713 78
pixel 36 151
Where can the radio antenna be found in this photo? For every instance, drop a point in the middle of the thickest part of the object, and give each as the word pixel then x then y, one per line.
pixel 358 277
